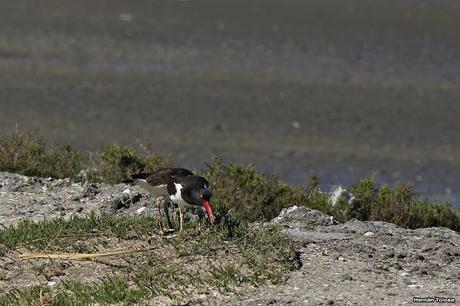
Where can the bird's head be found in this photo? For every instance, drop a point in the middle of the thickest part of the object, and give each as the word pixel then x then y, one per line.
pixel 199 195
pixel 205 197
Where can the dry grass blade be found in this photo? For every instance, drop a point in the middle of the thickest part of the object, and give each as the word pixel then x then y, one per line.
pixel 82 256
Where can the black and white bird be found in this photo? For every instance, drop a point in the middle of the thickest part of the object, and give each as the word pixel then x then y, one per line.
pixel 179 186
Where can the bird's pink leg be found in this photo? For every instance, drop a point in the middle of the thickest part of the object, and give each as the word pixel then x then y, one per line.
pixel 181 219
pixel 158 202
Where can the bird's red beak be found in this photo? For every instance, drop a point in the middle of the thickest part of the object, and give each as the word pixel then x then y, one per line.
pixel 208 209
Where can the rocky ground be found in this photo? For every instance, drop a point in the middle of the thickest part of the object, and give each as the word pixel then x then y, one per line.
pixel 363 263
pixel 40 198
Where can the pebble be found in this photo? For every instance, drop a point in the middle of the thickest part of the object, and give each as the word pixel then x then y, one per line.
pixel 52 281
pixel 404 274
pixel 369 234
pixel 397 266
pixel 140 210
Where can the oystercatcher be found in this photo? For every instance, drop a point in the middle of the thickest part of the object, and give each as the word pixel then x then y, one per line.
pixel 179 186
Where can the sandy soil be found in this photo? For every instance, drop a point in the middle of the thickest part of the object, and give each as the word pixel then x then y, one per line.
pixel 341 88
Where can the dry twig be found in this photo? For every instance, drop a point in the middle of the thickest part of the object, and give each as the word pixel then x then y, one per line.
pixel 83 256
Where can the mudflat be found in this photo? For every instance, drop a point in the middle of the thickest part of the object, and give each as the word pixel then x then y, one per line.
pixel 344 89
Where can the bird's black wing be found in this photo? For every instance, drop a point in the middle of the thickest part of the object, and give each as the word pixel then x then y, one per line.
pixel 163 176
pixel 174 172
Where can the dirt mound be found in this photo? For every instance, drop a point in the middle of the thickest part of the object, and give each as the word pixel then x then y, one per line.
pixel 364 263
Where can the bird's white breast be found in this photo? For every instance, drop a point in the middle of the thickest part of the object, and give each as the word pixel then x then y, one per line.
pixel 177 196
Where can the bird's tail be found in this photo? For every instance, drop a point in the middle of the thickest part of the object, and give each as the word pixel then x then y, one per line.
pixel 131 179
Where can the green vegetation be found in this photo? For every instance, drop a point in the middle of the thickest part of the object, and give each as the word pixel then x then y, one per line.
pixel 115 162
pixel 247 194
pixel 108 292
pixel 201 258
pixel 254 196
pixel 26 154
pixel 399 205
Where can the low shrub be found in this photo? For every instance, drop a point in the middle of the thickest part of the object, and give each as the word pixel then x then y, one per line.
pixel 399 205
pixel 115 162
pixel 26 154
pixel 251 195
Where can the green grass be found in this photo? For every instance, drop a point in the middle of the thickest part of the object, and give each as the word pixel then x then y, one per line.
pixel 109 292
pixel 219 257
pixel 58 233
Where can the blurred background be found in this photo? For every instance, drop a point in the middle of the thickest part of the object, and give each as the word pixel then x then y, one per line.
pixel 344 89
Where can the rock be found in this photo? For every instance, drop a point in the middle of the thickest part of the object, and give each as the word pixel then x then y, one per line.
pixel 125 199
pixel 377 227
pixel 339 193
pixel 313 236
pixel 302 217
pixel 90 190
